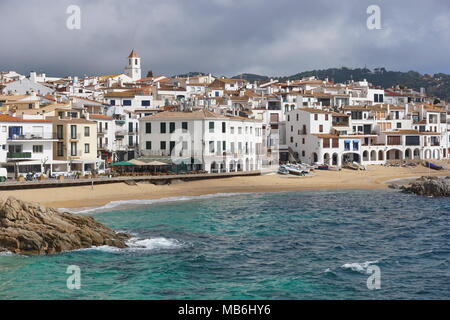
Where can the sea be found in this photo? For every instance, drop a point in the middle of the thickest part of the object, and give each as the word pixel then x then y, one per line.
pixel 352 244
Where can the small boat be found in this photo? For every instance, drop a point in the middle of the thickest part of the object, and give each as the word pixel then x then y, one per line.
pixel 334 168
pixel 432 166
pixel 283 170
pixel 351 166
pixel 324 167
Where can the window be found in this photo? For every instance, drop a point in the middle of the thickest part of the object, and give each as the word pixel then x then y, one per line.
pixel 394 140
pixel 163 145
pixel 60 149
pixel 412 141
pixel 73 149
pixel 148 145
pixel 304 129
pixel 112 102
pixel 316 116
pixel 399 125
pixel 148 127
pixel 211 127
pixel 224 127
pixel 211 147
pixel 127 103
pixel 73 132
pixel 163 127
pixel 184 145
pixel 232 147
pixel 106 125
pixel 87 131
pixel 326 117
pixel 240 130
pixel 130 126
pixel 172 127
pixel 30 106
pixel 86 148
pixel 130 141
pixel 335 143
pixel 60 132
pixel 184 127
pixel 145 103
pixel 171 146
pixel 38 149
pixel 321 128
pixel 224 146
pixel 297 116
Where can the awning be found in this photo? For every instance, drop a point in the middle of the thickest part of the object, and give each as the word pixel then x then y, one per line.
pixel 122 163
pixel 157 164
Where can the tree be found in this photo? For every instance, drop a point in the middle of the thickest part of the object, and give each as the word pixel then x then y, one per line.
pixel 150 74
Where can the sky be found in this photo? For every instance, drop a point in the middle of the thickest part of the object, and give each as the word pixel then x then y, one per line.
pixel 223 37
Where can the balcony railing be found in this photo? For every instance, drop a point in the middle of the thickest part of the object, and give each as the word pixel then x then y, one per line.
pixel 19 155
pixel 33 136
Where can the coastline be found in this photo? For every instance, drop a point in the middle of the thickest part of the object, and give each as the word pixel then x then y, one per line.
pixel 376 177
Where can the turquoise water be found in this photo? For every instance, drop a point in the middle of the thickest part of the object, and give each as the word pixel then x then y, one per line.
pixel 300 245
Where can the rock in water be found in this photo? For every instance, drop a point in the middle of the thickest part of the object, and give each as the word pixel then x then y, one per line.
pixel 29 228
pixel 430 186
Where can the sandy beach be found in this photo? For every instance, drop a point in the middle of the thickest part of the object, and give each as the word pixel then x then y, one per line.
pixel 375 177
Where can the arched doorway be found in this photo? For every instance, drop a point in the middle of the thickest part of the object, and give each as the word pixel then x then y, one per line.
pixel 315 157
pixel 335 159
pixel 232 166
pixel 394 154
pixel 214 167
pixel 351 157
pixel 427 154
pixel 366 155
pixel 407 154
pixel 373 156
pixel 326 158
pixel 416 154
pixel 380 155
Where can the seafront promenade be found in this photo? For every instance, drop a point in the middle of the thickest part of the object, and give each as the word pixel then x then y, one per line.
pixel 159 180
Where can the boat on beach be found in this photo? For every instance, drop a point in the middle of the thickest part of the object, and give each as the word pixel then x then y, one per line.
pixel 433 166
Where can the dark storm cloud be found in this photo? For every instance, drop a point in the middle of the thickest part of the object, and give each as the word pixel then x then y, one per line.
pixel 225 37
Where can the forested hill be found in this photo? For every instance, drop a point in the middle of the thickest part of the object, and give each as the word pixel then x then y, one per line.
pixel 436 85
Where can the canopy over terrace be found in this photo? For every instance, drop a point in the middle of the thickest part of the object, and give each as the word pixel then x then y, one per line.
pixel 164 164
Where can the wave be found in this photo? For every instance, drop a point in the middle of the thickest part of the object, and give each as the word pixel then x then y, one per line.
pixel 139 244
pixel 119 203
pixel 358 267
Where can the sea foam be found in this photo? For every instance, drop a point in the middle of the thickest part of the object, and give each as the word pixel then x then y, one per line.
pixel 122 203
pixel 358 267
pixel 139 244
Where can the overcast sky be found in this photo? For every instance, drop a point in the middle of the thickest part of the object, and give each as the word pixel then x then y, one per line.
pixel 224 37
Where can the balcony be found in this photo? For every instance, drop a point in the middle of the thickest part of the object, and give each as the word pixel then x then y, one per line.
pixel 33 137
pixel 19 155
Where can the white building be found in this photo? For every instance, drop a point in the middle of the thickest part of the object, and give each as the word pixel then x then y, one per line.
pixel 133 68
pixel 29 144
pixel 204 139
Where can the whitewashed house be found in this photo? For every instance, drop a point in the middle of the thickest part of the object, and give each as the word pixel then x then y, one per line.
pixel 203 139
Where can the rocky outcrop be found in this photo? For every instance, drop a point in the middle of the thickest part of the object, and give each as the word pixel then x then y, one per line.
pixel 430 186
pixel 29 228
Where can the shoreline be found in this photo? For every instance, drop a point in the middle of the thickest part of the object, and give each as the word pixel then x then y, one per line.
pixel 84 197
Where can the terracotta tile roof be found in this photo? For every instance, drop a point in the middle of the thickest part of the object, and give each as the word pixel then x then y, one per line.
pixel 8 118
pixel 133 54
pixel 100 116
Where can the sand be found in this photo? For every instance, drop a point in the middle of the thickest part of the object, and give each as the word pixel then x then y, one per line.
pixel 375 177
